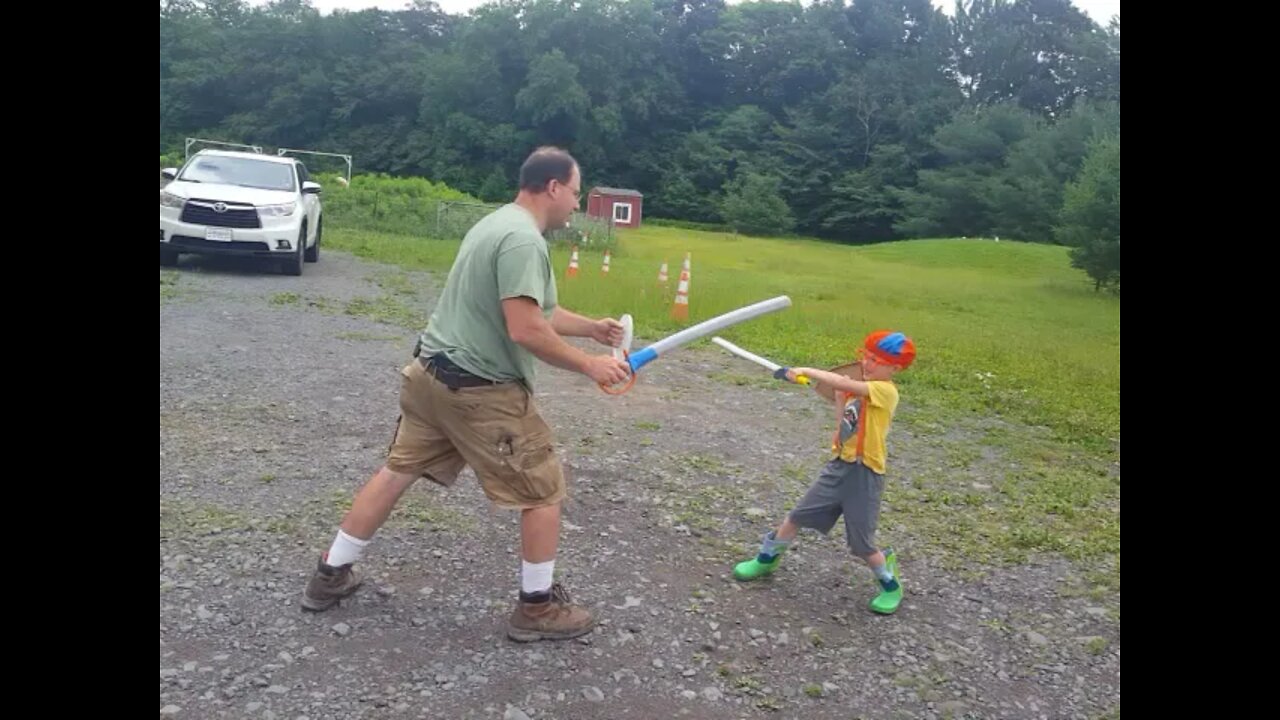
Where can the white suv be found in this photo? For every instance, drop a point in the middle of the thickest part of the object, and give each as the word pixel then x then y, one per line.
pixel 241 203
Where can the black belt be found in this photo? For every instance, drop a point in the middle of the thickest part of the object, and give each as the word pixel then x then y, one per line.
pixel 444 370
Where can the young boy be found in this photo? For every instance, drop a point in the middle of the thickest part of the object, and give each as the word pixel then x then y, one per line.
pixel 851 483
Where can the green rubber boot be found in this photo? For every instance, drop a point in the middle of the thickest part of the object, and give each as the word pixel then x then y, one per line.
pixel 887 602
pixel 753 569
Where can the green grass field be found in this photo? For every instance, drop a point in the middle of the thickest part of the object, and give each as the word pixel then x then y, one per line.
pixel 1001 328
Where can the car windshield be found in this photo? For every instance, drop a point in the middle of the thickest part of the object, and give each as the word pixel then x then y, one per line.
pixel 245 172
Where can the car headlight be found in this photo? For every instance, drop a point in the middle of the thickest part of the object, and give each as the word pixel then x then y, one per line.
pixel 276 210
pixel 169 200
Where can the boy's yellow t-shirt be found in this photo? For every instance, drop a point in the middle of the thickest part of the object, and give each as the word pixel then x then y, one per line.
pixel 864 425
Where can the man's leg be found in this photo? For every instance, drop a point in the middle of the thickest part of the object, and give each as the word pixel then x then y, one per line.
pixel 334 579
pixel 540 533
pixel 374 502
pixel 539 537
pixel 544 611
pixel 419 447
pixel 524 474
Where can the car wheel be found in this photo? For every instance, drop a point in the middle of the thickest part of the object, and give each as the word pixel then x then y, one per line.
pixel 313 252
pixel 293 266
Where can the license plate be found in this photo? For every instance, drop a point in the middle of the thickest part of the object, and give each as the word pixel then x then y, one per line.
pixel 218 234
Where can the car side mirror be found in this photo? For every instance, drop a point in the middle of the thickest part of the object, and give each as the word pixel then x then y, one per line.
pixel 311 187
pixel 169 173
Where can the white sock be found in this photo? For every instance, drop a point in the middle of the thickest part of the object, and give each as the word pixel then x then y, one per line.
pixel 536 577
pixel 345 549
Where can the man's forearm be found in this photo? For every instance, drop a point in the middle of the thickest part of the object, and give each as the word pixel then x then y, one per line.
pixel 544 341
pixel 571 324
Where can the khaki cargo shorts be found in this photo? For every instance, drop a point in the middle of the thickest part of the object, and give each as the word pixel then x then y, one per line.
pixel 495 429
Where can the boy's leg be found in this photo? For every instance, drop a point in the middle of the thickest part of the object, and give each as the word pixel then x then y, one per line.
pixel 862 490
pixel 819 509
pixel 772 545
pixel 886 572
pixel 787 531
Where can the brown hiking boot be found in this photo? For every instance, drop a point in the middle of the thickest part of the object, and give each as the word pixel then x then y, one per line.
pixel 329 585
pixel 552 619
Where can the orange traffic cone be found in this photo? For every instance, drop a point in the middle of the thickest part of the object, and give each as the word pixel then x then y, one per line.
pixel 662 274
pixel 688 258
pixel 573 263
pixel 604 269
pixel 680 309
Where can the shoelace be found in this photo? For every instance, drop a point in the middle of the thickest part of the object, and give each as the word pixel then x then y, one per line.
pixel 559 593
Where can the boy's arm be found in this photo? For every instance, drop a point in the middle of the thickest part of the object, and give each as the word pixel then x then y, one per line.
pixel 839 383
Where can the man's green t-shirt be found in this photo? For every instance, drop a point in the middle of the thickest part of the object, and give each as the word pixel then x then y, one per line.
pixel 503 256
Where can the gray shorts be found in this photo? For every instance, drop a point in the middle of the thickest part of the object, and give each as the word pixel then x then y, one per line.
pixel 851 489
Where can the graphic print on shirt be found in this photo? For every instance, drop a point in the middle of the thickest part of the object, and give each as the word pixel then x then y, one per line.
pixel 849 421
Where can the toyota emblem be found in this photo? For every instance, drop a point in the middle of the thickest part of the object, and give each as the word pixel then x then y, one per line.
pixel 220 207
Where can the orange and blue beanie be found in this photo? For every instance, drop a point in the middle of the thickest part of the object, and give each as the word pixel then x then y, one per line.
pixel 890 347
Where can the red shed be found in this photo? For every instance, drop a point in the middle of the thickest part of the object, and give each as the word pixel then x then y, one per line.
pixel 622 206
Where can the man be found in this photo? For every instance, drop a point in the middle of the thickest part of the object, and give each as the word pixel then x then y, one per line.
pixel 467 397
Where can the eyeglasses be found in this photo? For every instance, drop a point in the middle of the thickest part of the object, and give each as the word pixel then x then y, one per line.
pixel 577 191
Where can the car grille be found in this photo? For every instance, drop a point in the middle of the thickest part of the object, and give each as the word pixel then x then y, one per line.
pixel 191 243
pixel 203 212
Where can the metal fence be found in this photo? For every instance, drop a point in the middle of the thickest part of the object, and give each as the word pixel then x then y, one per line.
pixel 454 219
